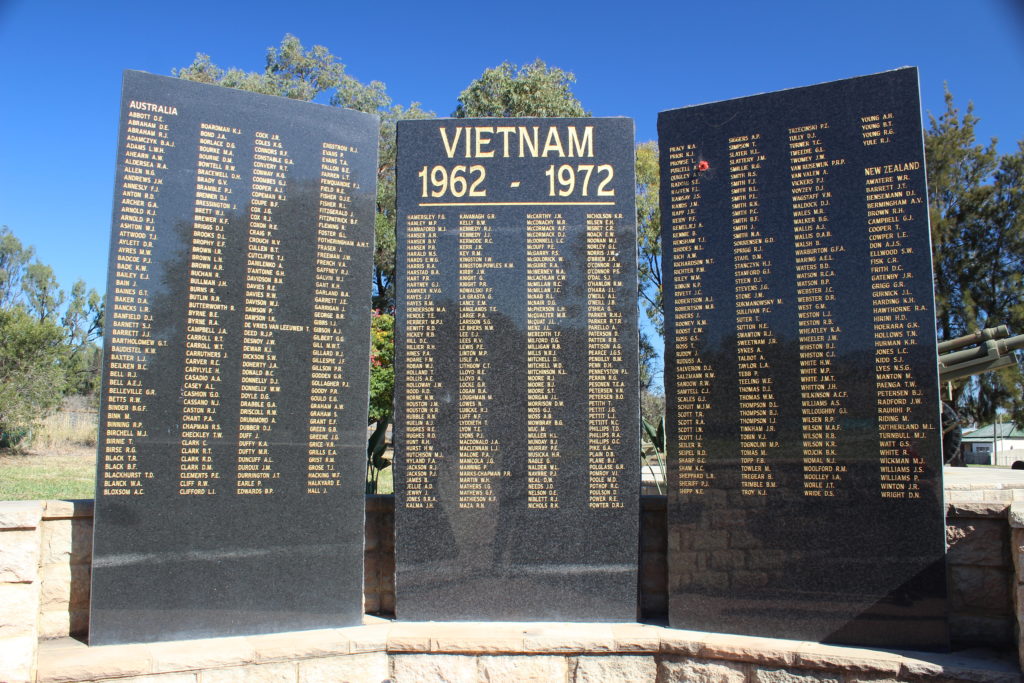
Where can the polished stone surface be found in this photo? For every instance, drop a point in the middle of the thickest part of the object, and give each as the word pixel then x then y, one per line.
pixel 517 476
pixel 805 483
pixel 233 426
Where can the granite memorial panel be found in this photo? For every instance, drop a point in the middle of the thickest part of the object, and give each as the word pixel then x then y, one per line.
pixel 517 475
pixel 232 434
pixel 805 477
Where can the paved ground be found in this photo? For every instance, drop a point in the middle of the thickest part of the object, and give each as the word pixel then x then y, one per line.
pixel 987 477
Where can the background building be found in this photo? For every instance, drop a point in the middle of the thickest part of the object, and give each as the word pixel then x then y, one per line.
pixel 1005 441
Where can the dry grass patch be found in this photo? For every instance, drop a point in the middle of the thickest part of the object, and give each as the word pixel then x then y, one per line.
pixel 58 460
pixel 64 432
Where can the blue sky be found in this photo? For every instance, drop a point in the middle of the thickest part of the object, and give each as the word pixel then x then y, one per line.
pixel 61 89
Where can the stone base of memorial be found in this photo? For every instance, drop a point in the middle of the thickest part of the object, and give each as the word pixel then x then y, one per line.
pixel 382 650
pixel 45 556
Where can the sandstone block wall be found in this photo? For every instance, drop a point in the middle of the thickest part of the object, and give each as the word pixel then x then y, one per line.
pixel 396 652
pixel 981 566
pixel 1017 550
pixel 64 568
pixel 45 554
pixel 981 575
pixel 20 586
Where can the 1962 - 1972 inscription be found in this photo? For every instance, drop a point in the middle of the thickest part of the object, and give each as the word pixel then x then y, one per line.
pixel 516 370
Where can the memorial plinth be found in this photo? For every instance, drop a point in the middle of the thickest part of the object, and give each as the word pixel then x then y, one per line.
pixel 805 478
pixel 232 432
pixel 516 371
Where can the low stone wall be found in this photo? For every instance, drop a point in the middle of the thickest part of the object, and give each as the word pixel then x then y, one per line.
pixel 981 568
pixel 379 556
pixel 504 652
pixel 20 584
pixel 981 575
pixel 45 554
pixel 985 567
pixel 64 566
pixel 1017 549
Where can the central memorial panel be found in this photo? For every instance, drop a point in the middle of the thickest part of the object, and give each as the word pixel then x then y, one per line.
pixel 232 439
pixel 805 466
pixel 517 470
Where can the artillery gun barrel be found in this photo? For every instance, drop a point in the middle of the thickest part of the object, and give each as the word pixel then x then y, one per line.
pixel 1007 346
pixel 979 337
pixel 991 355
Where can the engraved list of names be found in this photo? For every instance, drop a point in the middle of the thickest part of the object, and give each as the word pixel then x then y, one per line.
pixel 805 467
pixel 233 425
pixel 516 374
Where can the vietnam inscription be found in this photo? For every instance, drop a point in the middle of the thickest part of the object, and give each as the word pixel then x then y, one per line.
pixel 805 473
pixel 515 389
pixel 232 431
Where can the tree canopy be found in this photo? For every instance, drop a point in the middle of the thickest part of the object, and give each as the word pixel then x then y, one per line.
pixel 295 72
pixel 976 209
pixel 507 90
pixel 47 337
pixel 976 197
pixel 648 234
pixel 531 90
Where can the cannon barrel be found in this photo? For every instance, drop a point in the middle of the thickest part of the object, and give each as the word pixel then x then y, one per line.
pixel 993 354
pixel 1008 346
pixel 979 337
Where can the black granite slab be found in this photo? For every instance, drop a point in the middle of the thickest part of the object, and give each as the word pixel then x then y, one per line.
pixel 232 436
pixel 517 473
pixel 805 480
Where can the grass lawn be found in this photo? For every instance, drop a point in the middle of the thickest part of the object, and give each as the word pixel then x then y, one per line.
pixel 50 476
pixel 72 475
pixel 385 483
pixel 60 463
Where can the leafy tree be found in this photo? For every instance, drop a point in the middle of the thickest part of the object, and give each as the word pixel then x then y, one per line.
pixel 83 369
pixel 295 72
pixel 42 353
pixel 958 200
pixel 382 394
pixel 43 295
pixel 538 90
pixel 382 365
pixel 648 234
pixel 83 325
pixel 28 284
pixel 976 205
pixel 386 219
pixel 652 406
pixel 510 90
pixel 648 363
pixel 32 378
pixel 14 259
